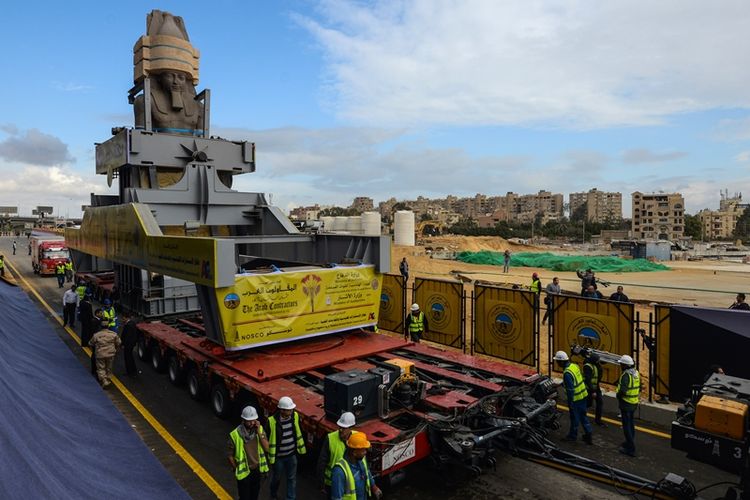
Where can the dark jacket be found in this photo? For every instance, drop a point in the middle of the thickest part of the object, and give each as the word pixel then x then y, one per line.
pixel 619 297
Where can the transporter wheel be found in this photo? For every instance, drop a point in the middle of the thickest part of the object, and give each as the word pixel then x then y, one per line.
pixel 220 400
pixel 175 371
pixel 157 359
pixel 195 384
pixel 142 348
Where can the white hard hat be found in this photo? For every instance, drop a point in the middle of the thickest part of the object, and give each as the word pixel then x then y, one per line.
pixel 286 403
pixel 249 413
pixel 415 307
pixel 346 420
pixel 626 360
pixel 561 356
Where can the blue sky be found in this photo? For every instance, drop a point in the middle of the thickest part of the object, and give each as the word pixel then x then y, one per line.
pixel 400 98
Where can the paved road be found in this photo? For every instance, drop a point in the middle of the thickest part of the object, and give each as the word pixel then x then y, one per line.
pixel 204 436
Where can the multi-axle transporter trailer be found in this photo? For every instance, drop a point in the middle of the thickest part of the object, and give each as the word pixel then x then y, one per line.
pixel 413 401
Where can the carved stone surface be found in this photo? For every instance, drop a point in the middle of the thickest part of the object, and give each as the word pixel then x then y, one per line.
pixel 166 57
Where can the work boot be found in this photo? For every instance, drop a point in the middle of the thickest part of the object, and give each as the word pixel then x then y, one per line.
pixel 588 439
pixel 630 453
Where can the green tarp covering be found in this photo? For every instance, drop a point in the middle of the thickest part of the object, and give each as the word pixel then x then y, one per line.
pixel 554 262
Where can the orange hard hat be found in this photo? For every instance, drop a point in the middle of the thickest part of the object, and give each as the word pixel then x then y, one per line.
pixel 358 440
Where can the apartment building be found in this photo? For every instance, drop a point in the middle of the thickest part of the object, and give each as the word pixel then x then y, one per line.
pixel 658 216
pixel 598 206
pixel 721 223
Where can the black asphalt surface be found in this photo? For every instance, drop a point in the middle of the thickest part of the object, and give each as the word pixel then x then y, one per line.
pixel 204 436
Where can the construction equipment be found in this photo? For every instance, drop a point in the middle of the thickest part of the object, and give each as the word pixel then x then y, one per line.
pixel 713 426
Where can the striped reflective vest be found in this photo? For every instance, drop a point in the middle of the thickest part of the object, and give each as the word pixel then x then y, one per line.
pixel 240 457
pixel 69 266
pixel 350 492
pixel 416 325
pixel 536 286
pixel 579 388
pixel 594 374
pixel 81 291
pixel 109 315
pixel 272 437
pixel 60 269
pixel 336 449
pixel 633 389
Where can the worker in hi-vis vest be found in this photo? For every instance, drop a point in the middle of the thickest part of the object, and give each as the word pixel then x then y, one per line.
pixel 248 446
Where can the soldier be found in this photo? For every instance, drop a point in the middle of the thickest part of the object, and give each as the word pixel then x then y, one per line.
pixel 105 343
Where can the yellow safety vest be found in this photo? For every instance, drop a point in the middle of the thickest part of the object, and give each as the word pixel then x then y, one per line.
pixel 60 269
pixel 633 390
pixel 240 458
pixel 69 266
pixel 535 286
pixel 109 315
pixel 81 291
pixel 416 325
pixel 579 388
pixel 350 492
pixel 336 449
pixel 594 374
pixel 2 263
pixel 301 450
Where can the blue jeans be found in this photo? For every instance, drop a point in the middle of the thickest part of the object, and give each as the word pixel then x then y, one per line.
pixel 628 428
pixel 285 467
pixel 578 416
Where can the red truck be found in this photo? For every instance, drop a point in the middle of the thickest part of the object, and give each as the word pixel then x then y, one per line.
pixel 47 251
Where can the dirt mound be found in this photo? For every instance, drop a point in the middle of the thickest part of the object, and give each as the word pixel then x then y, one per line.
pixel 474 244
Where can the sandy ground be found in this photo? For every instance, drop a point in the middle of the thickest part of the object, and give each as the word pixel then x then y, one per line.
pixel 703 283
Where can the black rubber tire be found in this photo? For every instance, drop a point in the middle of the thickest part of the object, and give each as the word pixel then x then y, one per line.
pixel 142 348
pixel 175 371
pixel 158 362
pixel 221 404
pixel 195 384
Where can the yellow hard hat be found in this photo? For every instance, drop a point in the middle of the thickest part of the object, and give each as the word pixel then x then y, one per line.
pixel 358 440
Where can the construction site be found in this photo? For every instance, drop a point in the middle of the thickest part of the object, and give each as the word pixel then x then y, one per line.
pixel 462 375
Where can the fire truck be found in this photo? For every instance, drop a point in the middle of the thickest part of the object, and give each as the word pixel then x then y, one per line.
pixel 47 251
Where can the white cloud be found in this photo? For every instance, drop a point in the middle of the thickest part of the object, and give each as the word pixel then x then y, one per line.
pixel 743 157
pixel 734 129
pixel 61 187
pixel 569 64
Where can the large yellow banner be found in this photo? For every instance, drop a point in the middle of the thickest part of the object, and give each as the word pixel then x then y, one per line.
pixel 264 309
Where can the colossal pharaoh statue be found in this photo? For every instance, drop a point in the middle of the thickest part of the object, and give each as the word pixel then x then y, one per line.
pixel 167 58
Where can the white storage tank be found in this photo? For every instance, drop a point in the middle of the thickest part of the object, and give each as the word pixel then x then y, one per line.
pixel 354 224
pixel 371 223
pixel 403 228
pixel 327 222
pixel 339 223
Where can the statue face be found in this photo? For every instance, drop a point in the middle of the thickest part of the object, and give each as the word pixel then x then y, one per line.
pixel 173 80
